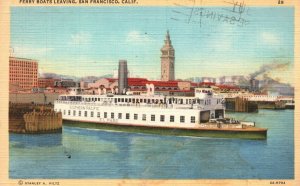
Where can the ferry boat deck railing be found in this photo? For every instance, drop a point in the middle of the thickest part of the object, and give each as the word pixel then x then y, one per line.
pixel 152 105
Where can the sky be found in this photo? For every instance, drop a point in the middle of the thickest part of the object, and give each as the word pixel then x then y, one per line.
pixel 83 41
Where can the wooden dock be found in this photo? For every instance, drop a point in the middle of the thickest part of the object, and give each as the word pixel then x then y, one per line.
pixel 31 118
pixel 240 104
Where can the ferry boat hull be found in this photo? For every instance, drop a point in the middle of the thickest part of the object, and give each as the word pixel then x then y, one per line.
pixel 245 133
pixel 156 114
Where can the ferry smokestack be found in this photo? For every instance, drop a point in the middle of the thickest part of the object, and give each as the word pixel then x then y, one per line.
pixel 254 85
pixel 122 77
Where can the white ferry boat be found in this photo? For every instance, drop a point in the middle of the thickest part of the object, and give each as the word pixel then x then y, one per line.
pixel 174 115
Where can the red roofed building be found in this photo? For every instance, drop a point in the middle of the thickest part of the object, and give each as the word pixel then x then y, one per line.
pixel 206 84
pixel 46 82
pixel 220 88
pixel 227 88
pixel 104 83
pixel 138 86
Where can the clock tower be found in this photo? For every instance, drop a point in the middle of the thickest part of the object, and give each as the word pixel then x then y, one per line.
pixel 167 60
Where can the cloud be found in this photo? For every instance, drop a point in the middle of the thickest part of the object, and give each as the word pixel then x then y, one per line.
pixel 220 44
pixel 136 37
pixel 80 38
pixel 270 38
pixel 224 41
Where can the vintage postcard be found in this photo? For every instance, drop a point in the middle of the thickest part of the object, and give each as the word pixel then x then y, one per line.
pixel 141 92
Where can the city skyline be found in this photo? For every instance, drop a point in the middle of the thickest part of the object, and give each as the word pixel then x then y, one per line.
pixel 77 44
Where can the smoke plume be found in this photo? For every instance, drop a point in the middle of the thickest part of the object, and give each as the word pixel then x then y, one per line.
pixel 268 68
pixel 269 84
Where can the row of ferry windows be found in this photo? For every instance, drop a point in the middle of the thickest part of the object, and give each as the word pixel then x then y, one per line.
pixel 127 116
pixel 130 100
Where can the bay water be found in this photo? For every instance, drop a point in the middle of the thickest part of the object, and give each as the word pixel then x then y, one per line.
pixel 91 153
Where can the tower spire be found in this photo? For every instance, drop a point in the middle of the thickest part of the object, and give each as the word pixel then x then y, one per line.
pixel 167 60
pixel 168 40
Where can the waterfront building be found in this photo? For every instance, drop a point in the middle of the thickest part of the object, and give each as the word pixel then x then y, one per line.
pixel 167 60
pixel 230 80
pixel 138 86
pixel 23 73
pixel 208 79
pixel 46 82
pixel 84 84
pixel 65 83
pixel 103 83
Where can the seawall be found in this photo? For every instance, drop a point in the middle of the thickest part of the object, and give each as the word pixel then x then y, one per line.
pixel 36 98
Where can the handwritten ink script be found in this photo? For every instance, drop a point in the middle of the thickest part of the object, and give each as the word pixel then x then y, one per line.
pixel 234 14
